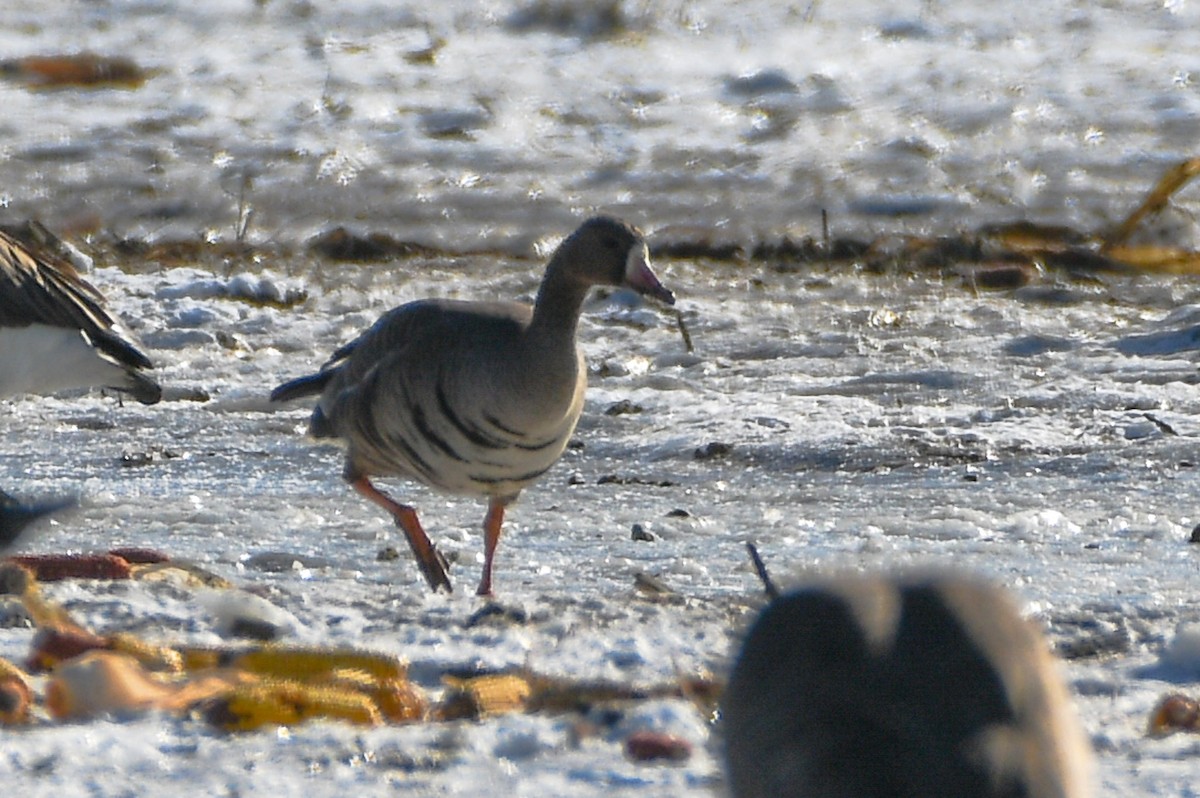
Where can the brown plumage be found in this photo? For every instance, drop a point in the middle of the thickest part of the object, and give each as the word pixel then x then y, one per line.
pixel 55 331
pixel 472 398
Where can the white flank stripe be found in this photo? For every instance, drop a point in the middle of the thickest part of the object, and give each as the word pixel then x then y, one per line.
pixel 41 359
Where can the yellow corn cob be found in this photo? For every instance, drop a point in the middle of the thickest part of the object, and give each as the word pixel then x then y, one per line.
pixel 249 709
pixel 398 700
pixel 295 663
pixel 480 696
pixel 156 658
pixel 196 658
pixel 283 703
pixel 315 664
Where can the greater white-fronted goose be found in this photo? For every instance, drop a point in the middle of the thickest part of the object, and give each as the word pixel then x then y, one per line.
pixel 922 685
pixel 472 398
pixel 55 332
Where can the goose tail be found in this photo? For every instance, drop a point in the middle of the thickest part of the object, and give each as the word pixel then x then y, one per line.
pixel 308 385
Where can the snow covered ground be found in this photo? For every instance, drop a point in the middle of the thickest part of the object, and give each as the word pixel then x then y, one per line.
pixel 870 422
pixel 1043 437
pixel 467 122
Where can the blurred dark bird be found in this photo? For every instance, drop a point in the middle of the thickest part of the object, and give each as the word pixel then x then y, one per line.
pixel 932 686
pixel 471 398
pixel 15 517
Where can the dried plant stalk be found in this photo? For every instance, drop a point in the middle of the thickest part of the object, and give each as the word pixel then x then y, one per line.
pixel 1176 178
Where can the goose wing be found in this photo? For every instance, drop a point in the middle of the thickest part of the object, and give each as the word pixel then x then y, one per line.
pixel 38 287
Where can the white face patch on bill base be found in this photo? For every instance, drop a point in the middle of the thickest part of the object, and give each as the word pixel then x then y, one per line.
pixel 640 277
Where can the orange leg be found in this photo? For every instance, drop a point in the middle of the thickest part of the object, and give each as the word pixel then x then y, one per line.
pixel 433 564
pixel 491 538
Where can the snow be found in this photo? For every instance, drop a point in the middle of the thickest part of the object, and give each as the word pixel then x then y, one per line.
pixel 873 447
pixel 1183 650
pixel 1043 438
pixel 459 123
